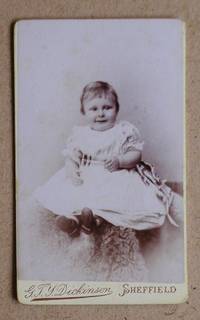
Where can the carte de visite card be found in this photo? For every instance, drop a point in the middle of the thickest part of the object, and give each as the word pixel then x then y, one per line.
pixel 100 161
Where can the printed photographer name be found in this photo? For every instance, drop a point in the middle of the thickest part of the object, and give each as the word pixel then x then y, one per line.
pixel 127 289
pixel 49 291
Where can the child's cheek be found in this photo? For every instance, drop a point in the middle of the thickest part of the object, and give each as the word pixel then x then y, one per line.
pixel 89 116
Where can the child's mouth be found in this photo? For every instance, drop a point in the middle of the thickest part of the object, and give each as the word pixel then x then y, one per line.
pixel 101 120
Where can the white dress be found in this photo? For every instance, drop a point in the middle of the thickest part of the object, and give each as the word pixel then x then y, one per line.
pixel 126 198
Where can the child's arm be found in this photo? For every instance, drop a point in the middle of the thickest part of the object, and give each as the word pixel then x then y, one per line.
pixel 72 164
pixel 125 161
pixel 130 159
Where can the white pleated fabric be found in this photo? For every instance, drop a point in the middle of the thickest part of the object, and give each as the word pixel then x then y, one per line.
pixel 120 197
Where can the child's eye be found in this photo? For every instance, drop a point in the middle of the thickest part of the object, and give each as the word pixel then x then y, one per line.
pixel 107 107
pixel 93 108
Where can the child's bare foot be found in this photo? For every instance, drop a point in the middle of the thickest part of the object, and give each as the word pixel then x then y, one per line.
pixel 87 220
pixel 71 226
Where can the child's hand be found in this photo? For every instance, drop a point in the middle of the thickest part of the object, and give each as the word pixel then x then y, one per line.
pixel 77 181
pixel 77 156
pixel 112 164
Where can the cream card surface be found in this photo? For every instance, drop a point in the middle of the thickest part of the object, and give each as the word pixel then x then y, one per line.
pixel 100 161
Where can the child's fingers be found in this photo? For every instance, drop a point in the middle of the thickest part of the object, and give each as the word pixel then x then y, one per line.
pixel 110 168
pixel 108 165
pixel 107 161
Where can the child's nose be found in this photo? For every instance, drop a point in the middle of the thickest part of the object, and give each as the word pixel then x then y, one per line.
pixel 101 113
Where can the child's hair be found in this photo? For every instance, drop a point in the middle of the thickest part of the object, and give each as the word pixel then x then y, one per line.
pixel 96 89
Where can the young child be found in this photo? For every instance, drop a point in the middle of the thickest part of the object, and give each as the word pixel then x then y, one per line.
pixel 104 178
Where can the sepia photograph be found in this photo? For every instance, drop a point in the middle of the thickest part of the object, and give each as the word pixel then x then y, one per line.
pixel 99 108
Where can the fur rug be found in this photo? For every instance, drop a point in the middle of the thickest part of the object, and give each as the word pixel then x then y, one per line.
pixel 116 254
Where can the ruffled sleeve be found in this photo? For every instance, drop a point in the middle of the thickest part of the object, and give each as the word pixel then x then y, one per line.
pixel 130 138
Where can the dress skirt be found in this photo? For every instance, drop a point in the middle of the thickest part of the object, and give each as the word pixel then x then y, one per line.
pixel 121 197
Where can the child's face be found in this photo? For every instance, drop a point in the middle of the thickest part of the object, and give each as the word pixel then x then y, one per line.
pixel 100 112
